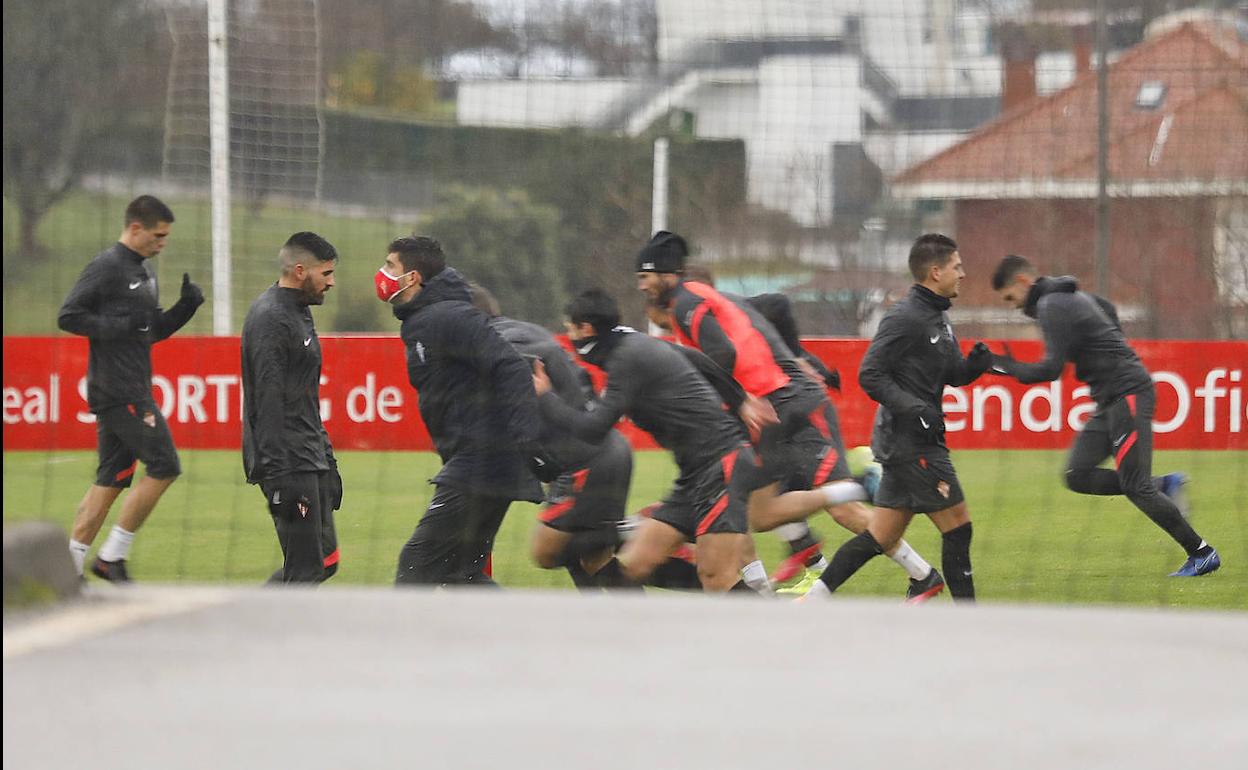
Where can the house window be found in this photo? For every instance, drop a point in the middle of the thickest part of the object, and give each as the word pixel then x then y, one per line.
pixel 1150 95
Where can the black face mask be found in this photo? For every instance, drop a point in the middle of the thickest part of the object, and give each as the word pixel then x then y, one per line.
pixel 597 349
pixel 591 350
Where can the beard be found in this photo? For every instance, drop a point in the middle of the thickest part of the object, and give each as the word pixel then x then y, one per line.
pixel 310 295
pixel 663 297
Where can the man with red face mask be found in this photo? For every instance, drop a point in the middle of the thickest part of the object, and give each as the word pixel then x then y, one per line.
pixel 477 401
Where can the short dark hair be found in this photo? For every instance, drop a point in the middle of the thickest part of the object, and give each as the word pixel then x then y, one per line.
pixel 928 250
pixel 483 299
pixel 1011 265
pixel 313 244
pixel 149 211
pixel 696 271
pixel 419 253
pixel 596 308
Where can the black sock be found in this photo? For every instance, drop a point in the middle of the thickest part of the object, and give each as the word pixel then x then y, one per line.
pixel 849 558
pixel 580 578
pixel 612 578
pixel 955 555
pixel 1203 551
pixel 676 574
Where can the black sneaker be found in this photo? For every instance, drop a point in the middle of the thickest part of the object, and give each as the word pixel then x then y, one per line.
pixel 112 571
pixel 922 590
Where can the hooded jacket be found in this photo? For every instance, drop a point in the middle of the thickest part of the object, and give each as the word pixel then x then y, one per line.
pixel 1081 328
pixel 476 392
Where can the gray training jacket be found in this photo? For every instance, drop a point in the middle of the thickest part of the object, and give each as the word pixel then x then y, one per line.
pixel 1081 328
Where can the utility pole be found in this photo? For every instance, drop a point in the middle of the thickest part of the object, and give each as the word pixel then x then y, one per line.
pixel 219 160
pixel 1102 151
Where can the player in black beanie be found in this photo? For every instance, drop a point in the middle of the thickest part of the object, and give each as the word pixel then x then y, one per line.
pixel 665 253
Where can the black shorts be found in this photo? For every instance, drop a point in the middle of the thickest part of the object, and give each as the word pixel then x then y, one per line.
pixel 713 499
pixel 129 433
pixel 806 449
pixel 594 495
pixel 926 485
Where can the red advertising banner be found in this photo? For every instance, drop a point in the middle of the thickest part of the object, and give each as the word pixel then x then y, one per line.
pixel 367 403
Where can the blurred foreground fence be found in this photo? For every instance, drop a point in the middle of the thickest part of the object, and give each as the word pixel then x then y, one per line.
pixel 810 142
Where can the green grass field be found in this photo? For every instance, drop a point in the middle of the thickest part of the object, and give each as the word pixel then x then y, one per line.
pixel 1034 541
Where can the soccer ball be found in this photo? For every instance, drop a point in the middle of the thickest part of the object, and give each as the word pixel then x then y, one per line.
pixel 864 468
pixel 859 458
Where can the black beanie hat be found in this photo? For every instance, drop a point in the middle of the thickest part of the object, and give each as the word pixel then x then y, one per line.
pixel 665 253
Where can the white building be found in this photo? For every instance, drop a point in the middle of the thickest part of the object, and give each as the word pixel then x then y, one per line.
pixel 807 85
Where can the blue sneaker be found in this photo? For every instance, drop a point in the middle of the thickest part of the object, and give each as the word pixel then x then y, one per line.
pixel 1174 486
pixel 1195 566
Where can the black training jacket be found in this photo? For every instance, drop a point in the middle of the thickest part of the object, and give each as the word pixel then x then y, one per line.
pixel 282 428
pixel 1082 328
pixel 114 289
pixel 476 391
pixel 911 359
pixel 656 386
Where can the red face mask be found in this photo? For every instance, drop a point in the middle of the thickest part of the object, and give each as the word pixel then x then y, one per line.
pixel 387 285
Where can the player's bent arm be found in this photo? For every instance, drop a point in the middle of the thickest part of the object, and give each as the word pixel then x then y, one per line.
pixel 1057 338
pixel 79 314
pixel 875 375
pixel 173 319
pixel 712 340
pixel 590 426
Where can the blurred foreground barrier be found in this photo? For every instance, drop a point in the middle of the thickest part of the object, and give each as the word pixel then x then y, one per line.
pixel 37 565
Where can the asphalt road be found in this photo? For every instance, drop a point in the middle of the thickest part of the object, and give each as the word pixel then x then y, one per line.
pixel 354 678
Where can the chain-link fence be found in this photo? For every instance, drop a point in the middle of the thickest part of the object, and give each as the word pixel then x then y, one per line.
pixel 806 144
pixel 809 143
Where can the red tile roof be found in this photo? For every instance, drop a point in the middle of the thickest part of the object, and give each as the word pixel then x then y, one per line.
pixel 1194 141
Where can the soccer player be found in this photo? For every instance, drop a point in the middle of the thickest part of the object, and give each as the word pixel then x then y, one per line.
pixel 476 400
pixel 805 561
pixel 804 455
pixel 579 526
pixel 911 359
pixel 662 392
pixel 286 449
pixel 115 304
pixel 1083 328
